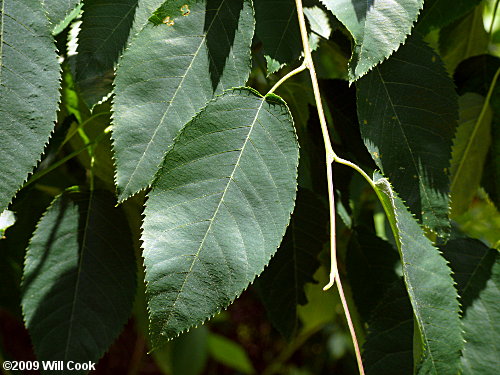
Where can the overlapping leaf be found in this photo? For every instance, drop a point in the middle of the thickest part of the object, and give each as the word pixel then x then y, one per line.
pixel 378 28
pixel 58 10
pixel 79 278
pixel 429 284
pixel 190 51
pixel 469 150
pixel 281 285
pixel 29 91
pixel 218 209
pixel 278 30
pixel 408 110
pixel 477 272
pixel 103 33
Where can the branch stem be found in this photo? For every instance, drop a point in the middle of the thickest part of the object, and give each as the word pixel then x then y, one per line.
pixel 330 158
pixel 285 77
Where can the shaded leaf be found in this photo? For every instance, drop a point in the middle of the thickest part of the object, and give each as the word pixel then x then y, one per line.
pixel 378 28
pixel 144 10
pixel 278 30
pixel 476 271
pixel 218 208
pixel 407 109
pixel 103 33
pixel 79 278
pixel 190 352
pixel 439 13
pixel 281 285
pixel 469 151
pixel 29 88
pixel 319 25
pixel 371 264
pixel 429 285
pixel 7 219
pixel 388 349
pixel 463 38
pixel 229 353
pixel 183 63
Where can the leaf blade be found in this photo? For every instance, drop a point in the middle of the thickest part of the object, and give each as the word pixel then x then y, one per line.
pixel 182 67
pixel 79 278
pixel 29 88
pixel 213 245
pixel 429 284
pixel 378 28
pixel 407 108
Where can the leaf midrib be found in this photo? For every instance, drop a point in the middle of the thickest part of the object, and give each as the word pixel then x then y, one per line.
pixel 169 106
pixel 212 219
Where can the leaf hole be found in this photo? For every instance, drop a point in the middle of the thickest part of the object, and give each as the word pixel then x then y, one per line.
pixel 168 21
pixel 185 10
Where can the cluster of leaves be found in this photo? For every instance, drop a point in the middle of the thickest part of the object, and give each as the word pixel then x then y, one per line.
pixel 136 129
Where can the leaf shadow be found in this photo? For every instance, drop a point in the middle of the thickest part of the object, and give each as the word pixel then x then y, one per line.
pixel 221 21
pixel 361 8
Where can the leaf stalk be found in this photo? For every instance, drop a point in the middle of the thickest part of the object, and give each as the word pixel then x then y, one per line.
pixel 330 158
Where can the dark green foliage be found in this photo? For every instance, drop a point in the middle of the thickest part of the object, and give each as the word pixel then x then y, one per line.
pixel 407 109
pixel 281 285
pixel 79 278
pixel 156 129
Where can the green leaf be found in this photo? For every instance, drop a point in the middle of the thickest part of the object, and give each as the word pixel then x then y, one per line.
pixel 103 33
pixel 168 74
pixel 190 352
pixel 144 10
pixel 388 349
pixel 29 88
pixel 477 273
pixel 278 30
pixel 218 209
pixel 7 219
pixel 319 24
pixel 79 278
pixel 439 13
pixel 58 10
pixel 229 353
pixel 469 151
pixel 463 38
pixel 407 109
pixel 378 28
pixel 281 285
pixel 371 264
pixel 429 284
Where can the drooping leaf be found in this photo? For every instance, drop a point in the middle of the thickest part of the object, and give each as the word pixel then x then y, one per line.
pixel 378 28
pixel 462 39
pixel 281 285
pixel 476 271
pixel 278 30
pixel 371 264
pixel 439 13
pixel 408 110
pixel 79 278
pixel 58 10
pixel 429 285
pixel 29 91
pixel 388 349
pixel 103 33
pixel 187 53
pixel 218 209
pixel 471 144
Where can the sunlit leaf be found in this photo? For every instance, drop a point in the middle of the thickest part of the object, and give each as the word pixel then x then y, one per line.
pixel 378 28
pixel 218 209
pixel 179 61
pixel 29 91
